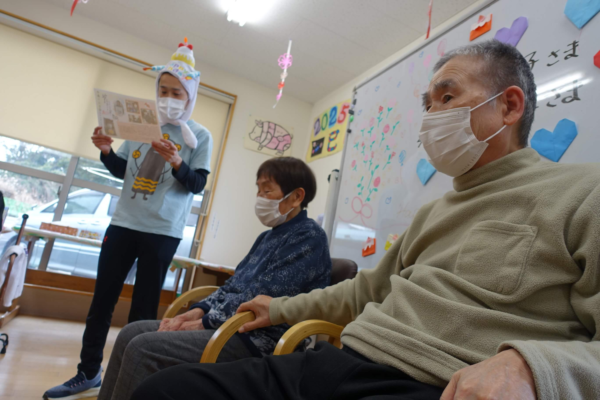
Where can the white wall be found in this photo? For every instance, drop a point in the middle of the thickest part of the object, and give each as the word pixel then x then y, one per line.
pixel 233 206
pixel 324 166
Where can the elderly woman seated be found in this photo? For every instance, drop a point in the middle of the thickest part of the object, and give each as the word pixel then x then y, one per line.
pixel 289 259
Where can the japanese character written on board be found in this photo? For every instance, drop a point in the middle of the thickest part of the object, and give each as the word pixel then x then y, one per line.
pixel 571 90
pixel 555 56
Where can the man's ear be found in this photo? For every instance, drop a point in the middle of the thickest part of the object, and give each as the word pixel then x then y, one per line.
pixel 514 105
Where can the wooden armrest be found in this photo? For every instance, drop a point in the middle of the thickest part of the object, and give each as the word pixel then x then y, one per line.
pixel 297 333
pixel 223 334
pixel 202 291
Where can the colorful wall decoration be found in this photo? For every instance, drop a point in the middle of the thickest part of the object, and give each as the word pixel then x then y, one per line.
pixel 268 137
pixel 329 131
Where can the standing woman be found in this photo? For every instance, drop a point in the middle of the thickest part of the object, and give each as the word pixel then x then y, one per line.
pixel 160 181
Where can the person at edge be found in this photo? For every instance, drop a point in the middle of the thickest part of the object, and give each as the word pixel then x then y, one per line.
pixel 160 181
pixel 493 291
pixel 289 259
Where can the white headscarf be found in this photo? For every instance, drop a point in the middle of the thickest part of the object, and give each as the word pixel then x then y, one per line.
pixel 182 66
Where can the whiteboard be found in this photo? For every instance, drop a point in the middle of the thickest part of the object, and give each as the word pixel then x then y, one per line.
pixel 380 191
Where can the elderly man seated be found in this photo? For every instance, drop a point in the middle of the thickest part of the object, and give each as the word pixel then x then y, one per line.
pixel 492 292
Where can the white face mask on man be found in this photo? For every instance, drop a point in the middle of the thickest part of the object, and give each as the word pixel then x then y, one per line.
pixel 170 108
pixel 267 211
pixel 449 141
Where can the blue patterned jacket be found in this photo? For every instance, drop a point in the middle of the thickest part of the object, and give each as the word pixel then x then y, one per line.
pixel 287 260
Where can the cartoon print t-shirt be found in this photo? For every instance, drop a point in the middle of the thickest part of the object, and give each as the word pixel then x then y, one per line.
pixel 152 200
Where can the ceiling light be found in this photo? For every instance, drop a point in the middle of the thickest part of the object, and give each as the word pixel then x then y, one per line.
pixel 242 11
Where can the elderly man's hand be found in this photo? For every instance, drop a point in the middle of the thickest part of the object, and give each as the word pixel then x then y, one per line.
pixel 260 307
pixel 504 376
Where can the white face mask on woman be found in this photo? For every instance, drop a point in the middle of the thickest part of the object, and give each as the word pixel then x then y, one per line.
pixel 267 211
pixel 170 108
pixel 449 141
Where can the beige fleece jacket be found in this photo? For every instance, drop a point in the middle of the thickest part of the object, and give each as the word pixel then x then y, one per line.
pixel 508 259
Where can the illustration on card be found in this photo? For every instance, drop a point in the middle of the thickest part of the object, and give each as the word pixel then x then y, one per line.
pixel 151 171
pixel 268 137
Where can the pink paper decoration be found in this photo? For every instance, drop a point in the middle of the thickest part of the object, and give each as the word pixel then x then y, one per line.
pixel 429 14
pixel 75 4
pixel 284 61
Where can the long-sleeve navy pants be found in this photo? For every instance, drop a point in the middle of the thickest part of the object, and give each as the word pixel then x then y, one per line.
pixel 120 249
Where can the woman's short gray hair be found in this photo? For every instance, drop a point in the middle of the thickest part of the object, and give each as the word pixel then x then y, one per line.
pixel 504 67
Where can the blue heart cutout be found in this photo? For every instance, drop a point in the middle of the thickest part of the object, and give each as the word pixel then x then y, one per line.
pixel 580 12
pixel 553 145
pixel 425 171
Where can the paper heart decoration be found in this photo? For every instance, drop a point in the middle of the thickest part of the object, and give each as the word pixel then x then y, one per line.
pixel 553 145
pixel 483 25
pixel 597 59
pixel 513 34
pixel 580 12
pixel 425 171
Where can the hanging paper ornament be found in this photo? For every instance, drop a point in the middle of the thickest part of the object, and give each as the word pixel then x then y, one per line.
pixel 75 4
pixel 284 61
pixel 429 14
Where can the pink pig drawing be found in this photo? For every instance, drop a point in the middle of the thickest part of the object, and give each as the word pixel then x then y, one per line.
pixel 271 136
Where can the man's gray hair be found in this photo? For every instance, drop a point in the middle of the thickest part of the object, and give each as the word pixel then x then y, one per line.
pixel 504 67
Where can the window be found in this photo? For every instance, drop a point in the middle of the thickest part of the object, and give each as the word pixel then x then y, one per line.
pixel 23 193
pixel 89 206
pixel 95 172
pixel 50 209
pixel 31 156
pixel 113 205
pixel 83 201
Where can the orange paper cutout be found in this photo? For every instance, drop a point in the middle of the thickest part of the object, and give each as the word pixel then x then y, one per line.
pixel 483 25
pixel 369 247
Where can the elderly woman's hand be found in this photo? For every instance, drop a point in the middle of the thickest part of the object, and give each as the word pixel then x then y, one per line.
pixel 176 324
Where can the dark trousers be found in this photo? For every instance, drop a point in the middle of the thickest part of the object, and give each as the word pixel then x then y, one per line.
pixel 323 373
pixel 120 249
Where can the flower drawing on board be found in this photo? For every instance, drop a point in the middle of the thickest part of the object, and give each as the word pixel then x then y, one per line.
pixel 380 117
pixel 390 107
pixel 386 128
pixel 372 122
pixel 376 182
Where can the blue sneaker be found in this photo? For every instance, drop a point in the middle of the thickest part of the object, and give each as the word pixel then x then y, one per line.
pixel 78 387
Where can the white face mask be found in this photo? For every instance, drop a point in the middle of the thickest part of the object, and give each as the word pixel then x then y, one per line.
pixel 268 213
pixel 449 141
pixel 170 108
